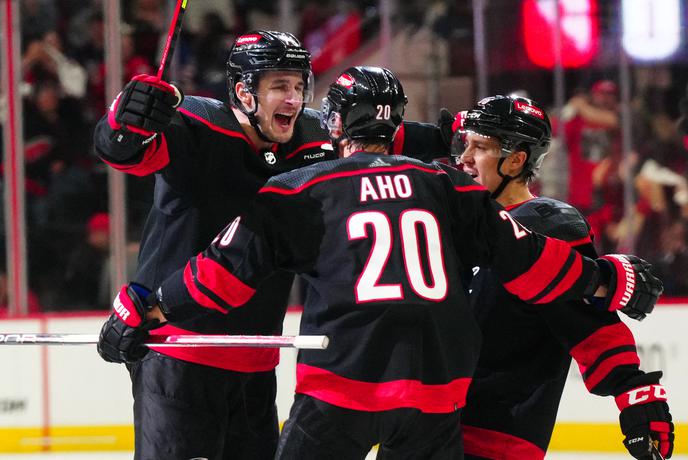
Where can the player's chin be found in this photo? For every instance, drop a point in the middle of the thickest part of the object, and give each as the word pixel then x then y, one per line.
pixel 281 136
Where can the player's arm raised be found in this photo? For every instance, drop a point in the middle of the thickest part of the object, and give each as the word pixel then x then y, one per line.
pixel 541 270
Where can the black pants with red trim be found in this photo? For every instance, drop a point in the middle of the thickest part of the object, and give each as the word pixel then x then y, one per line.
pixel 317 430
pixel 184 410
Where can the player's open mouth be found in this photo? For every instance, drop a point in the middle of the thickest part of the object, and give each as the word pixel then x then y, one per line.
pixel 283 120
pixel 471 172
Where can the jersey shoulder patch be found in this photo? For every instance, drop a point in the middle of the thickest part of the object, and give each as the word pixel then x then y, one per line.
pixel 210 112
pixel 552 218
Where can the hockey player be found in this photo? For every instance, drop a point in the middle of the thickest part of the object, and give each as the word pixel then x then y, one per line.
pixel 380 240
pixel 210 159
pixel 513 400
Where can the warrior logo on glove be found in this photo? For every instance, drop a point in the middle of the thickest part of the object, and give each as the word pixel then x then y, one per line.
pixel 633 288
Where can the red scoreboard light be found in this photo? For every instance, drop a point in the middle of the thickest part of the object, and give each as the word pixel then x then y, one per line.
pixel 579 31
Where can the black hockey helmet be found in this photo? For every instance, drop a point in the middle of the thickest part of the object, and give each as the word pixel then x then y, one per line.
pixel 370 102
pixel 261 51
pixel 517 122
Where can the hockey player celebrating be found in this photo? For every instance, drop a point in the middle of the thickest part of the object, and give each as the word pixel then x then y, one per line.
pixel 513 401
pixel 210 158
pixel 381 241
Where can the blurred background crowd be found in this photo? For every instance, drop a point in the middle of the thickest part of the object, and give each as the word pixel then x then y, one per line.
pixel 618 155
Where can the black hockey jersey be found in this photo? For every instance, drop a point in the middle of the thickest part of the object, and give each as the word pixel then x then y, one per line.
pixel 207 171
pixel 513 401
pixel 379 240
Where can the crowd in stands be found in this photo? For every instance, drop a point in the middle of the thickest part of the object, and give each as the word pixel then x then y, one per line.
pixel 63 88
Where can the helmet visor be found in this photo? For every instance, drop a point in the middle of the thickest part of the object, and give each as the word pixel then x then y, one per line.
pixel 330 120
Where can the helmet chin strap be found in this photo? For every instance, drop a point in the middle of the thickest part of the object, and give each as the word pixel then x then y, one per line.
pixel 251 115
pixel 336 141
pixel 505 179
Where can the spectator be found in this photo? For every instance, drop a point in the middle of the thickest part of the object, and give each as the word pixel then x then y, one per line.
pixel 591 123
pixel 83 271
pixel 37 18
pixel 45 58
pixel 91 54
pixel 670 262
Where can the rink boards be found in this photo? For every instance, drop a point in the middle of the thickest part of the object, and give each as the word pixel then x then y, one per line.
pixel 65 398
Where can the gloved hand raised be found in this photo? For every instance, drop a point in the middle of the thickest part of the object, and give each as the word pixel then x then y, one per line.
pixel 448 123
pixel 123 334
pixel 145 106
pixel 645 419
pixel 633 288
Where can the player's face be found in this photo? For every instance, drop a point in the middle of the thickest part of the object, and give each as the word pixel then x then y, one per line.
pixel 480 159
pixel 280 98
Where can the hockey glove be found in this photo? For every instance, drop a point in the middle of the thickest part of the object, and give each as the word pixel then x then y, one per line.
pixel 645 419
pixel 633 288
pixel 145 106
pixel 445 124
pixel 123 334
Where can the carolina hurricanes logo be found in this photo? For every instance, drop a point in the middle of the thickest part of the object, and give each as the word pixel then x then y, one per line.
pixel 345 80
pixel 244 39
pixel 529 109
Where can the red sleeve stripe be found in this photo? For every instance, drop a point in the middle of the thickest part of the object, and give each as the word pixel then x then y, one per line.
pixel 212 286
pixel 581 242
pixel 571 276
pixel 485 443
pixel 156 157
pixel 398 143
pixel 310 145
pixel 606 338
pixel 218 280
pixel 358 172
pixel 592 379
pixel 545 269
pixel 196 293
pixel 470 188
pixel 214 127
pixel 380 396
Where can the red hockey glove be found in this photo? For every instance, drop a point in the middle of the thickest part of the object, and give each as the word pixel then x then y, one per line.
pixel 124 332
pixel 645 419
pixel 633 288
pixel 145 106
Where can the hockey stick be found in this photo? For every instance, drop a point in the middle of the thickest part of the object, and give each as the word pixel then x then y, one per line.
pixel 318 342
pixel 656 455
pixel 172 36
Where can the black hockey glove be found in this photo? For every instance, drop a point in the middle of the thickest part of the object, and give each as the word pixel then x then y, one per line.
pixel 126 329
pixel 633 288
pixel 645 419
pixel 445 124
pixel 146 105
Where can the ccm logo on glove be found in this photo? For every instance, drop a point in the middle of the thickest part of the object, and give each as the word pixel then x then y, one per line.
pixel 641 395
